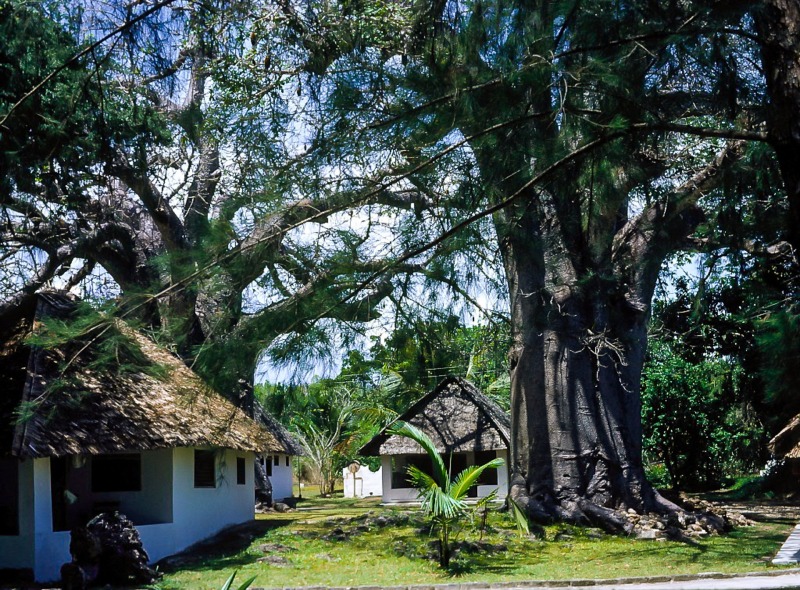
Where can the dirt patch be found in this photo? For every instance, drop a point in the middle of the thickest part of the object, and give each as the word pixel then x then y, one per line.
pixel 765 510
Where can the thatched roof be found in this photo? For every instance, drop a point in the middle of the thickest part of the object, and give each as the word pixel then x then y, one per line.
pixel 786 443
pixel 290 444
pixel 75 406
pixel 456 416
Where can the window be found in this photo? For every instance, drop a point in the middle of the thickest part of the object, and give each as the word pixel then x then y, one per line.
pixel 400 465
pixel 277 459
pixel 287 460
pixel 9 496
pixel 241 478
pixel 204 472
pixel 489 476
pixel 117 473
pixel 268 465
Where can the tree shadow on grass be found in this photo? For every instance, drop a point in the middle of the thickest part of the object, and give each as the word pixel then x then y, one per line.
pixel 224 550
pixel 720 550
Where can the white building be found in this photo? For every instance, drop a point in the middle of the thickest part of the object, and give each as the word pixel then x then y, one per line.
pixel 467 428
pixel 277 466
pixel 152 442
pixel 361 482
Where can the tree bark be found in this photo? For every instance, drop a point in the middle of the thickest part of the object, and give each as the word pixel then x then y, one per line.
pixel 577 452
pixel 580 313
pixel 778 24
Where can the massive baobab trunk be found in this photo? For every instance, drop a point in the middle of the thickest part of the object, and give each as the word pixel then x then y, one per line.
pixel 577 447
pixel 580 305
pixel 576 412
pixel 778 24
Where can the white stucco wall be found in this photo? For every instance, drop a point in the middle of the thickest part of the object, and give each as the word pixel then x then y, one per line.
pixel 363 483
pixel 197 513
pixel 200 512
pixel 399 495
pixel 16 551
pixel 281 478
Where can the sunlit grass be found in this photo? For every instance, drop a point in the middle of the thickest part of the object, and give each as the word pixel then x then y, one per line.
pixel 335 543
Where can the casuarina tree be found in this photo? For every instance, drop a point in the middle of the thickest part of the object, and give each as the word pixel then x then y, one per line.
pixel 598 139
pixel 563 150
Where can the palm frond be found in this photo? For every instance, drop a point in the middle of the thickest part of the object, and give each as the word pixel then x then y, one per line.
pixel 469 477
pixel 487 499
pixel 421 480
pixel 520 518
pixel 401 428
pixel 442 506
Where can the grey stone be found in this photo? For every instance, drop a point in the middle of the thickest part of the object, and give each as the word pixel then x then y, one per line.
pixel 278 560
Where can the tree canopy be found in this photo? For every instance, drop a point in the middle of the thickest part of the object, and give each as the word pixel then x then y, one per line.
pixel 272 176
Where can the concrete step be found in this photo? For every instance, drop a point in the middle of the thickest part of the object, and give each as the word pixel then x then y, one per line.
pixel 790 551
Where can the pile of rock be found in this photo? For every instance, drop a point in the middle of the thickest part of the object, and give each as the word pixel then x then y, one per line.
pixel 107 550
pixel 731 516
pixel 702 518
pixel 272 554
pixel 262 508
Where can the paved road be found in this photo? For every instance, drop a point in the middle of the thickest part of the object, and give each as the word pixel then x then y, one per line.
pixel 785 582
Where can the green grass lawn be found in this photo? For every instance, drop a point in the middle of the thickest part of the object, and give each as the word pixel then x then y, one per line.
pixel 344 543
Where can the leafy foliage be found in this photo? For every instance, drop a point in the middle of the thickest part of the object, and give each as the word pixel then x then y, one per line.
pixel 443 498
pixel 727 316
pixel 424 351
pixel 332 421
pixel 62 131
pixel 779 347
pixel 695 421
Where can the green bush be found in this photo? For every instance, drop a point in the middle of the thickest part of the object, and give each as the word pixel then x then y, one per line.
pixel 696 428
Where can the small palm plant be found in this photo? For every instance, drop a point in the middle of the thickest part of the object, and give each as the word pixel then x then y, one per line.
pixel 243 586
pixel 442 497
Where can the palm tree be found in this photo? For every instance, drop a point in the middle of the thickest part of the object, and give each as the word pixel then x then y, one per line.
pixel 442 497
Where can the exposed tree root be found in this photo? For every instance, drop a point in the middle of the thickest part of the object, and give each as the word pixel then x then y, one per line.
pixel 655 517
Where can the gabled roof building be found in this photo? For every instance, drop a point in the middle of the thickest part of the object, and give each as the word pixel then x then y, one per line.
pixel 467 428
pixel 142 434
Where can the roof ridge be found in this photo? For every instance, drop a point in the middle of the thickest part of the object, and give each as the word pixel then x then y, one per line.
pixel 498 418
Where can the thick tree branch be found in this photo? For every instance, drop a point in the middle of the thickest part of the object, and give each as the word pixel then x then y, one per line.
pixel 43 275
pixel 781 250
pixel 165 219
pixel 202 189
pixel 642 244
pixel 262 246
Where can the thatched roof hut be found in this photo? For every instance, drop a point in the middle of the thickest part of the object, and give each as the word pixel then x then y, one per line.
pixel 456 416
pixel 289 444
pixel 59 401
pixel 786 444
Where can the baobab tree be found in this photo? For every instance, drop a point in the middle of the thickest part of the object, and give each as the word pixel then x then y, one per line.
pixel 568 148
